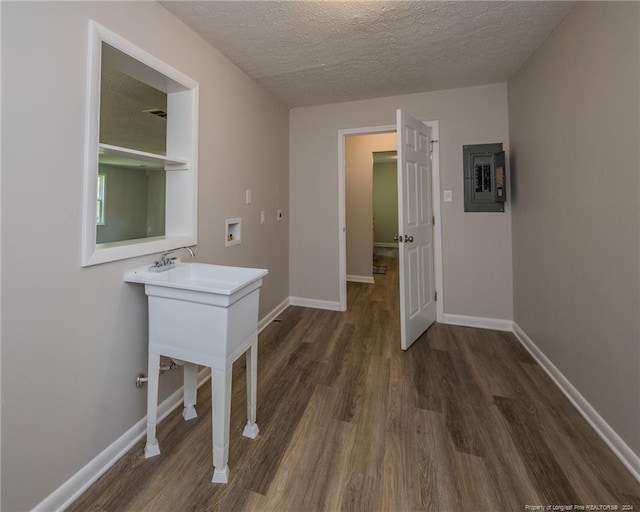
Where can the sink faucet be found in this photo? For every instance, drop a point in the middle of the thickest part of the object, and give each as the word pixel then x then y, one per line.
pixel 165 263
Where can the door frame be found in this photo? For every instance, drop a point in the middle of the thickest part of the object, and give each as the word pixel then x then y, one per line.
pixel 342 220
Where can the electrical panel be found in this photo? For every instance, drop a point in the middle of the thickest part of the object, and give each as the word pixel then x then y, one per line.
pixel 485 181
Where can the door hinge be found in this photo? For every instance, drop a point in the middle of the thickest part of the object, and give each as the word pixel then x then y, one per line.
pixel 435 296
pixel 433 220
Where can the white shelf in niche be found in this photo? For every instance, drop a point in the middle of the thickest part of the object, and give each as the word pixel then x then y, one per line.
pixel 132 158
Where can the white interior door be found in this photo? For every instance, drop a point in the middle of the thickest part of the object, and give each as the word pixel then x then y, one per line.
pixel 415 214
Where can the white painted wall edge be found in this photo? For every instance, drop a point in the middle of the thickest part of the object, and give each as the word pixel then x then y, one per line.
pixel 270 317
pixel 497 324
pixel 313 303
pixel 71 490
pixel 360 279
pixel 621 450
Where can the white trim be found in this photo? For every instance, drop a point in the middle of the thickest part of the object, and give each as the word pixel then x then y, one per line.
pixel 617 445
pixel 342 215
pixel 68 492
pixel 329 305
pixel 394 245
pixel 360 279
pixel 497 324
pixel 269 317
pixel 437 232
pixel 437 212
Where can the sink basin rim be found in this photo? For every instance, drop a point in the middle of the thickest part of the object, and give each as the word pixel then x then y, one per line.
pixel 199 277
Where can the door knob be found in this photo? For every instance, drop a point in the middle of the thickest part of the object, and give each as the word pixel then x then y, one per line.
pixel 397 238
pixel 408 238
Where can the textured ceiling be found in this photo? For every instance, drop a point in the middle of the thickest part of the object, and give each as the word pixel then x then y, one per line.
pixel 310 53
pixel 123 122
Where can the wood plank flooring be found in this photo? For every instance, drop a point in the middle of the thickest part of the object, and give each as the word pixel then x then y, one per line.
pixel 463 420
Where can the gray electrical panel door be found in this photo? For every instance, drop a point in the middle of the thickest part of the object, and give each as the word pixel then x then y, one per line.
pixel 485 182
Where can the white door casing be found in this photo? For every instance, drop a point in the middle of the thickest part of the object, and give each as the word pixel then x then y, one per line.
pixel 416 229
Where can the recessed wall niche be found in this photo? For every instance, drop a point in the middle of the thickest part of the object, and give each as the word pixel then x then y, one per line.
pixel 132 115
pixel 141 136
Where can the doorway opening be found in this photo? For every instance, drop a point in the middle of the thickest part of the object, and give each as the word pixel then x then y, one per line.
pixel 368 157
pixel 385 209
pixel 343 138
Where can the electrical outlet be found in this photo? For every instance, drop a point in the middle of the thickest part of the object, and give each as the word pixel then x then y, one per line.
pixel 279 214
pixel 263 217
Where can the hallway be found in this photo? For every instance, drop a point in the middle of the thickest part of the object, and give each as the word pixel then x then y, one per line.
pixel 463 420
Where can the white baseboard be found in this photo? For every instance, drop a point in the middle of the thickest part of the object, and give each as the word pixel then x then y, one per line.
pixel 386 244
pixel 497 324
pixel 360 279
pixel 626 455
pixel 313 303
pixel 68 492
pixel 271 316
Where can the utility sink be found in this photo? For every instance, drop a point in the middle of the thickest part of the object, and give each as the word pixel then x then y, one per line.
pixel 207 315
pixel 200 277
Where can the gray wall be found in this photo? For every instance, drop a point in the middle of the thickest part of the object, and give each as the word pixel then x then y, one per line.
pixel 471 115
pixel 385 202
pixel 73 339
pixel 359 196
pixel 574 130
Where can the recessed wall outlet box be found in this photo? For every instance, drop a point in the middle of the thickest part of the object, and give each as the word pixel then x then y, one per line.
pixel 263 217
pixel 279 215
pixel 448 196
pixel 248 196
pixel 233 231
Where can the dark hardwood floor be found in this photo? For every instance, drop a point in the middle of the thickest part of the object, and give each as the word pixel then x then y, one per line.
pixel 465 420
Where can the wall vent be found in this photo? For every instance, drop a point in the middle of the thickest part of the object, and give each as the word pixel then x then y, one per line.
pixel 156 112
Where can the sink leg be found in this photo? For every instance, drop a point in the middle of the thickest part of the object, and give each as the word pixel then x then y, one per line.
pixel 152 448
pixel 190 391
pixel 221 407
pixel 251 429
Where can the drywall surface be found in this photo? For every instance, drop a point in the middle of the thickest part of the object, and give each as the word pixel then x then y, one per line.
pixel 74 339
pixel 385 203
pixel 575 130
pixel 476 246
pixel 359 198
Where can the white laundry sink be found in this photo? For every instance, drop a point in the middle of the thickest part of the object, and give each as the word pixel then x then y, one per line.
pixel 202 314
pixel 200 277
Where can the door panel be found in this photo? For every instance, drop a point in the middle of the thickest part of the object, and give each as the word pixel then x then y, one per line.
pixel 415 211
pixel 413 192
pixel 425 195
pixel 413 281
